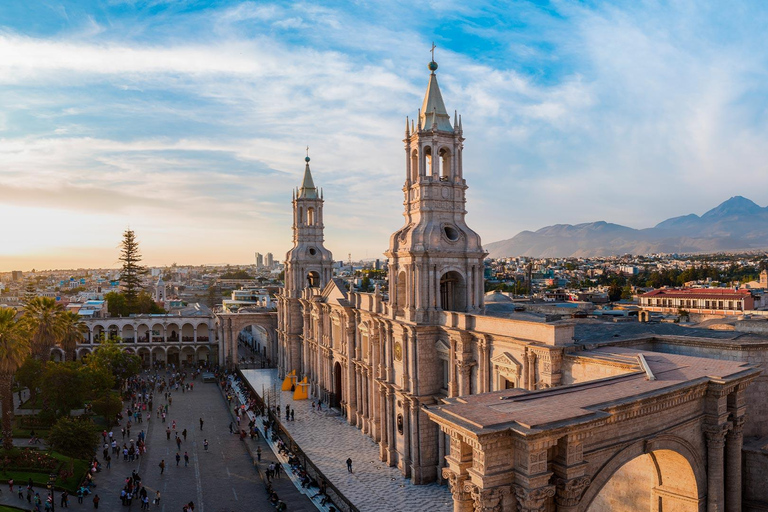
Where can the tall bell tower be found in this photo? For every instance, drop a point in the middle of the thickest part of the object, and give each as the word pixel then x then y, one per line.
pixel 307 264
pixel 435 259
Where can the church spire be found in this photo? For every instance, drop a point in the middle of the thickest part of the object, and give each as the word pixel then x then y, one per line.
pixel 308 189
pixel 433 105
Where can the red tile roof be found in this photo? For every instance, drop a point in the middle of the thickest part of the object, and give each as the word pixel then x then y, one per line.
pixel 699 293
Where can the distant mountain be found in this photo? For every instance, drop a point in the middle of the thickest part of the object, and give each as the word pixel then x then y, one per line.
pixel 736 224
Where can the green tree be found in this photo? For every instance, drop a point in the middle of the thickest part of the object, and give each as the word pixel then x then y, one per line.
pixel 121 364
pixel 62 388
pixel 626 292
pixel 41 314
pixel 71 331
pixel 132 271
pixel 74 437
pixel 116 304
pixel 14 350
pixel 108 405
pixel 30 375
pixel 95 380
pixel 614 290
pixel 145 304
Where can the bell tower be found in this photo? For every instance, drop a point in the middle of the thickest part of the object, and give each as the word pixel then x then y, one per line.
pixel 307 264
pixel 435 259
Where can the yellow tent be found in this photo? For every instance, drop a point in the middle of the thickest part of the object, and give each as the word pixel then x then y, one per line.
pixel 302 390
pixel 289 381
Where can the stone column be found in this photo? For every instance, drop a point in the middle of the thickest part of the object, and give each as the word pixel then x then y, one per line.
pixel 453 387
pixel 531 375
pixel 462 499
pixel 715 464
pixel 733 444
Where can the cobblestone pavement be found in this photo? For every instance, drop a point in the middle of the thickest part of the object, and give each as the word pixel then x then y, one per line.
pixel 328 441
pixel 221 479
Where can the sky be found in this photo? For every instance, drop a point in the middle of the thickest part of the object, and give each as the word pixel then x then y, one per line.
pixel 187 121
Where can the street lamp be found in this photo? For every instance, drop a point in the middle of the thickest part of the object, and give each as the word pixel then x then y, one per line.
pixel 51 484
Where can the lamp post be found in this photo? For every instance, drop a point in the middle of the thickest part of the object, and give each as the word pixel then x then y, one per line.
pixel 52 489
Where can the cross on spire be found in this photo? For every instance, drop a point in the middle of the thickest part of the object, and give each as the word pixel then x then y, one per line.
pixel 433 51
pixel 307 150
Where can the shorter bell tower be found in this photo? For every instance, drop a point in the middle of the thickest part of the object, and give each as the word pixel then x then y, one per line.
pixel 307 265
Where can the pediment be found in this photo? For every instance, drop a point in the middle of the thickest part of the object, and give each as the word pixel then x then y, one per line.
pixel 442 346
pixel 505 360
pixel 334 292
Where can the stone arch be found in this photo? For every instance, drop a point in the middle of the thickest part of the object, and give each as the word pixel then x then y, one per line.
pixel 188 332
pixel 83 352
pixel 173 332
pixel 143 333
pixel 672 467
pixel 203 332
pixel 203 353
pixel 187 355
pixel 114 331
pixel 157 333
pixel 310 216
pixel 453 291
pixel 145 355
pixel 128 333
pixel 415 165
pixel 427 159
pixel 643 315
pixel 313 279
pixel 57 354
pixel 97 330
pixel 445 163
pixel 158 355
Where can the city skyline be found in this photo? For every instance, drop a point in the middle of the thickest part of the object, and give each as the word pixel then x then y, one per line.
pixel 189 124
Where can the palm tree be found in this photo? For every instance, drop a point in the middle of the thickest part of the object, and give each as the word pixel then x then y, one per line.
pixel 14 350
pixel 41 315
pixel 71 329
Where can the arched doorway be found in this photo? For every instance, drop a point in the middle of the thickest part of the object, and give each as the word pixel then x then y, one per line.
pixel 657 481
pixel 313 279
pixel 337 396
pixel 453 292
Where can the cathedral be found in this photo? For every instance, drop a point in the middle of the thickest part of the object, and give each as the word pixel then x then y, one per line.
pixel 515 412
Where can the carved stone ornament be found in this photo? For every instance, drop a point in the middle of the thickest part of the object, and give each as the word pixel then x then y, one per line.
pixel 486 500
pixel 456 484
pixel 569 491
pixel 533 500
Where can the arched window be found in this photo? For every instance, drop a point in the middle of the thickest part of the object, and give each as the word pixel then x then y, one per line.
pixel 414 166
pixel 453 292
pixel 445 164
pixel 313 279
pixel 311 216
pixel 427 161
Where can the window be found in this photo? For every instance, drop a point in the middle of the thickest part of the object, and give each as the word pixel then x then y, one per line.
pixel 446 373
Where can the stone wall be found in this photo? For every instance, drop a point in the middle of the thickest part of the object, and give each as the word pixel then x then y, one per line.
pixel 754 474
pixel 577 369
pixel 629 490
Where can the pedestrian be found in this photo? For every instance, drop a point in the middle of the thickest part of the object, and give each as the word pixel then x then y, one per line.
pixel 64 503
pixel 178 459
pixel 258 454
pixel 96 501
pixel 201 423
pixel 21 493
pixel 109 461
pixel 230 427
pixel 184 434
pixel 10 485
pixel 79 494
pixel 168 433
pixel 162 466
pixel 205 444
pixel 292 415
pixel 157 498
pixel 186 459
pixel 349 465
pixel 178 443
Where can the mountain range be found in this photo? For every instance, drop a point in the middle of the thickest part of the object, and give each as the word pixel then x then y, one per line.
pixel 737 224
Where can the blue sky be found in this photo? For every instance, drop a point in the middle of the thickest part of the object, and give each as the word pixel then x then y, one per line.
pixel 187 120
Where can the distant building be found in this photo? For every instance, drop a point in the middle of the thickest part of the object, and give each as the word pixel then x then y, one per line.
pixel 698 300
pixel 270 261
pixel 16 275
pixel 259 260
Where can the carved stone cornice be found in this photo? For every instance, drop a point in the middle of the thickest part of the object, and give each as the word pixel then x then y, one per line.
pixel 569 492
pixel 533 500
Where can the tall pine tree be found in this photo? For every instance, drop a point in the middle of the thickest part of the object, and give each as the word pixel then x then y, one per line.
pixel 132 271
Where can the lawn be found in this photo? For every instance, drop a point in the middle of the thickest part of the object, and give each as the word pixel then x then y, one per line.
pixel 40 477
pixel 6 508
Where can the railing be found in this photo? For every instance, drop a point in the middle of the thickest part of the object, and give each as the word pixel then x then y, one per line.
pixel 312 470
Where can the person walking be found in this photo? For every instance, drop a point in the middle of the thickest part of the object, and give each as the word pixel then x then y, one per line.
pixel 186 459
pixel 205 444
pixel 349 464
pixel 258 454
pixel 162 466
pixel 157 498
pixel 178 459
pixel 201 423
pixel 96 501
pixel 184 434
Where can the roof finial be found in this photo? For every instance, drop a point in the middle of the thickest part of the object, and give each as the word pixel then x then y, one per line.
pixel 433 65
pixel 407 131
pixel 307 159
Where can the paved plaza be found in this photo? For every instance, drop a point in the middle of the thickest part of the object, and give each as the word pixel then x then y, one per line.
pixel 328 440
pixel 221 479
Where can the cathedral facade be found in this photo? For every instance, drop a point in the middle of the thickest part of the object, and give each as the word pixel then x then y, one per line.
pixel 383 360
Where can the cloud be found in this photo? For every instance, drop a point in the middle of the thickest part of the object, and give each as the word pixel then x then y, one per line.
pixel 628 112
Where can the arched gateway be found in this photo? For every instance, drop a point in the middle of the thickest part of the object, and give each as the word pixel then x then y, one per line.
pixel 229 326
pixel 667 438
